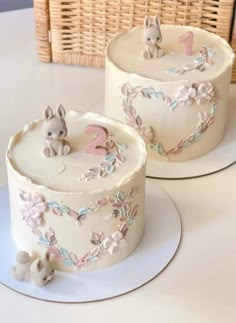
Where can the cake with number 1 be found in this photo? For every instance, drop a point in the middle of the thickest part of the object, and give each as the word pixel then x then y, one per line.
pixel 77 189
pixel 171 83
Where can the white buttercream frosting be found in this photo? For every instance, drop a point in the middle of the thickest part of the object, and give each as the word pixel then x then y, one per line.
pixel 63 173
pixel 126 48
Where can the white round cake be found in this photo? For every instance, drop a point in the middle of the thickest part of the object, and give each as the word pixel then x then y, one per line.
pixel 178 101
pixel 84 208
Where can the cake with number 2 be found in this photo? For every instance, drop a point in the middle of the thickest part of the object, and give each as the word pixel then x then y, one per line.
pixel 77 189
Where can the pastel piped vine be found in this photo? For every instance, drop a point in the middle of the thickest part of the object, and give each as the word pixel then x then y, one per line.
pixel 35 205
pixel 123 209
pixel 111 161
pixel 199 64
pixel 131 93
pixel 103 244
pixel 186 95
pixel 206 119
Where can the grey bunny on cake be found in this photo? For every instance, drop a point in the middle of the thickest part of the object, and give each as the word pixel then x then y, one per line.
pixel 151 38
pixel 54 132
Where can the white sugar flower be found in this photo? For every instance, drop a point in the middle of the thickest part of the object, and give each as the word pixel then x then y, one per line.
pixel 186 95
pixel 114 242
pixel 206 93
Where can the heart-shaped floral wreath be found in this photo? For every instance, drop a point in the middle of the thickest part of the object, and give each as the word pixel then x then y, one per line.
pixel 196 93
pixel 122 207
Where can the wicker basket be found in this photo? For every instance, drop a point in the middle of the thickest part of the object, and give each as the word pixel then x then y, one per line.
pixel 77 31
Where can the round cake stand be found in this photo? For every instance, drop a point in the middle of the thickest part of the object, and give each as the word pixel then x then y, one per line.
pixel 157 248
pixel 223 156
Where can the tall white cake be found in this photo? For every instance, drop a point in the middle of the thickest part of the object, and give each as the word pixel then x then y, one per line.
pixel 177 102
pixel 85 209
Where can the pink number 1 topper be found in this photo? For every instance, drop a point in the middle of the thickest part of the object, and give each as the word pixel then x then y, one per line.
pixel 187 39
pixel 94 147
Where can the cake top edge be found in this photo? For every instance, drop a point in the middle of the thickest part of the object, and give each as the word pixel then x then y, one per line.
pixel 165 27
pixel 84 187
pixel 124 52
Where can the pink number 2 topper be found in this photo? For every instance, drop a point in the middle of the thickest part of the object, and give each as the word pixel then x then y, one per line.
pixel 187 39
pixel 94 147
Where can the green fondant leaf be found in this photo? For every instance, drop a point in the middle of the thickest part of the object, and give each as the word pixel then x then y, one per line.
pixel 110 157
pixel 153 146
pixel 197 136
pixel 171 70
pixel 68 262
pixel 122 211
pixel 84 211
pixel 173 105
pixel 92 258
pixel 150 90
pixel 213 110
pixel 121 196
pixel 110 168
pixel 121 146
pixel 52 204
pixel 199 60
pixel 160 149
pixel 43 241
pixel 186 144
pixel 64 252
pixel 158 94
pixel 63 209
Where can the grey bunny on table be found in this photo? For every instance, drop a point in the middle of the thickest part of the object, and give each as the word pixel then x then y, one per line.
pixel 54 132
pixel 151 38
pixel 37 270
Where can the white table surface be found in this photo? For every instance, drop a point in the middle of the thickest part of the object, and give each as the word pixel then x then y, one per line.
pixel 199 286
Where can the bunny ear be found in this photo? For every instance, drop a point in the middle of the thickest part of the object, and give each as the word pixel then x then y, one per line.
pixel 48 113
pixel 47 256
pixel 61 112
pixel 157 21
pixel 147 22
pixel 39 264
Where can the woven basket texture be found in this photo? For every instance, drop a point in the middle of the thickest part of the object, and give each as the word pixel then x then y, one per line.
pixel 77 31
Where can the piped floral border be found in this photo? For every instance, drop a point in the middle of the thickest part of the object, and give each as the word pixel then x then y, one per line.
pixel 197 93
pixel 111 161
pixel 199 64
pixel 122 208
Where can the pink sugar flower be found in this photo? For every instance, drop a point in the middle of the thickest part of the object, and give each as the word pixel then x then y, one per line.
pixel 80 262
pixel 33 209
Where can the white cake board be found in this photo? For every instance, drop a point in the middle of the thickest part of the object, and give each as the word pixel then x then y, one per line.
pixel 223 156
pixel 159 244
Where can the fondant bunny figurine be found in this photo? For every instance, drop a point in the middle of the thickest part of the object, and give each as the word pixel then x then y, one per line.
pixel 54 132
pixel 151 37
pixel 39 271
